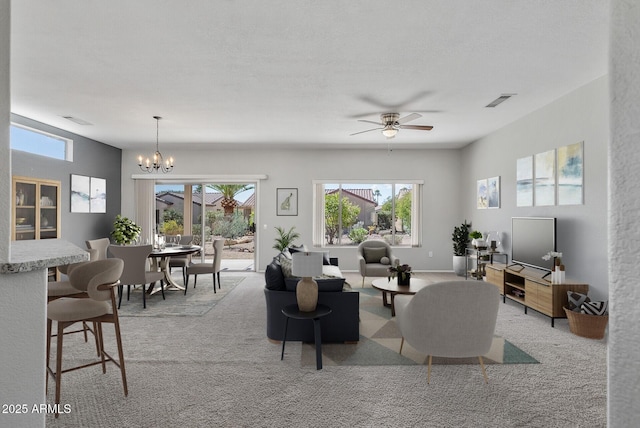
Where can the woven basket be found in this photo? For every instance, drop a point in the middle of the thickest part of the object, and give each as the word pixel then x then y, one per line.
pixel 585 325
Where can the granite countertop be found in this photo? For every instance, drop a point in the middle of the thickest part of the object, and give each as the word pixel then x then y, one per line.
pixel 30 255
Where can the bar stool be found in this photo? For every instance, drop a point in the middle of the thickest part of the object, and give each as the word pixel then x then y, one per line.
pixel 98 279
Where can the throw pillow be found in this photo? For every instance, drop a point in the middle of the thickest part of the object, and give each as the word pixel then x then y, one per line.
pixel 273 276
pixel 385 260
pixel 285 264
pixel 373 255
pixel 576 300
pixel 595 308
pixel 300 249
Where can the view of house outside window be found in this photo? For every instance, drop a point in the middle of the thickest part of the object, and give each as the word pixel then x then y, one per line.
pixel 355 212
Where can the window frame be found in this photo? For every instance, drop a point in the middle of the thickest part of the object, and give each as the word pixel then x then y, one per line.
pixel 68 143
pixel 318 217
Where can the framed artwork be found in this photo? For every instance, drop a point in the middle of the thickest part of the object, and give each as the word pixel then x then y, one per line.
pixel 287 201
pixel 482 197
pixel 570 175
pixel 493 192
pixel 80 194
pixel 524 182
pixel 98 195
pixel 545 179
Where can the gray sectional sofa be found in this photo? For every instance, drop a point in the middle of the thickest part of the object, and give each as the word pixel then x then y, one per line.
pixel 342 325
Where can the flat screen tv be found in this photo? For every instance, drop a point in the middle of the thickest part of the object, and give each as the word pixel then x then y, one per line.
pixel 532 238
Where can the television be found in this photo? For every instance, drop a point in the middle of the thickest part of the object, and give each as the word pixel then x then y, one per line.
pixel 532 238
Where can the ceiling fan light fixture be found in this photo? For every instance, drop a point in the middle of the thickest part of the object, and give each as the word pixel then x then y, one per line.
pixel 389 131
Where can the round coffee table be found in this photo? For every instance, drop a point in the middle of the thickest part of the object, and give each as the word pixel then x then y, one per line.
pixel 391 287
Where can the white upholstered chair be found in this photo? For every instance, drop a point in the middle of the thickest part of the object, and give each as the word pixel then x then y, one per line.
pixel 454 319
pixel 204 268
pixel 371 259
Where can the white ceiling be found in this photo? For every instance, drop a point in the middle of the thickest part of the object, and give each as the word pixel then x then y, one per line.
pixel 282 73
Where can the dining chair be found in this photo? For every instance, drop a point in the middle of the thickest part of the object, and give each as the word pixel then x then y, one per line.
pixel 135 269
pixel 97 279
pixel 101 244
pixel 203 268
pixel 182 261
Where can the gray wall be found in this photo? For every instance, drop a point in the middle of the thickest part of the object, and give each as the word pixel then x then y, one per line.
pixel 440 170
pixel 90 158
pixel 582 115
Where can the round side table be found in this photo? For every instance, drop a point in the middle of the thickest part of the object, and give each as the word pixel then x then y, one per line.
pixel 292 311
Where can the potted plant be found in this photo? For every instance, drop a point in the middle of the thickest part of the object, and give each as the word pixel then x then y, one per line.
pixel 476 240
pixel 125 231
pixel 285 239
pixel 402 271
pixel 460 237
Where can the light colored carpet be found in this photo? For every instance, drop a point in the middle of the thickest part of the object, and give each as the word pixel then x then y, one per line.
pixel 197 302
pixel 219 370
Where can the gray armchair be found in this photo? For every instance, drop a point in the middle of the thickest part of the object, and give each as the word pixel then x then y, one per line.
pixel 101 245
pixel 374 258
pixel 454 319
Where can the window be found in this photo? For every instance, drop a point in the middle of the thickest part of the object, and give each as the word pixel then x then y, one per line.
pixel 41 143
pixel 345 214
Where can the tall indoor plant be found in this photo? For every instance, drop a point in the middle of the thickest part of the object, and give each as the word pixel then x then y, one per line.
pixel 460 238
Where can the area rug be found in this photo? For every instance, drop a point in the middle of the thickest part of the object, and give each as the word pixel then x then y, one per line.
pixel 380 341
pixel 197 302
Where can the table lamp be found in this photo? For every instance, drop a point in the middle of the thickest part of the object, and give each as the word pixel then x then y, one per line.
pixel 306 265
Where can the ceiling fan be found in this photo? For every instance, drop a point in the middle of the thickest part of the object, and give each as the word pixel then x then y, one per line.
pixel 390 123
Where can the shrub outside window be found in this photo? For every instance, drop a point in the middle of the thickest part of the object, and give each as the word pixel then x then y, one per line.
pixel 348 213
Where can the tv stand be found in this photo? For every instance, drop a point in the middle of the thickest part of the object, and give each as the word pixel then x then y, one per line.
pixel 529 288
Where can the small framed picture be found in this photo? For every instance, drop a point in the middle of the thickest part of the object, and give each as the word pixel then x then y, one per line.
pixel 287 201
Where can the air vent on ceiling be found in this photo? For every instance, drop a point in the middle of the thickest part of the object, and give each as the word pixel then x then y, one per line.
pixel 502 98
pixel 76 120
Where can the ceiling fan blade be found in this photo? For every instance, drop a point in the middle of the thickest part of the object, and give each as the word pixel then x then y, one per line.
pixel 418 127
pixel 409 117
pixel 368 130
pixel 370 121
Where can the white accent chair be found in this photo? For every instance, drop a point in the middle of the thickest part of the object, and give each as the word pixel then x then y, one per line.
pixel 454 319
pixel 370 254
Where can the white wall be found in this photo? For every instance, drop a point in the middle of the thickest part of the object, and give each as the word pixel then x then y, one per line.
pixel 440 170
pixel 582 115
pixel 624 242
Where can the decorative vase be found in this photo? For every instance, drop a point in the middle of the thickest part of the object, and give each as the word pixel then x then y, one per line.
pixel 44 222
pixel 404 278
pixel 307 294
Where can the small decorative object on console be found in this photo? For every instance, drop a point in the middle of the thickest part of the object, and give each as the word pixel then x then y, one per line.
pixel 557 274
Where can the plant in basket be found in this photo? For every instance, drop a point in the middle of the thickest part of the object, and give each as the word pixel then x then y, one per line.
pixel 403 272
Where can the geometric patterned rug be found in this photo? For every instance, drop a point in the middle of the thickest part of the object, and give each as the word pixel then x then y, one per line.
pixel 380 341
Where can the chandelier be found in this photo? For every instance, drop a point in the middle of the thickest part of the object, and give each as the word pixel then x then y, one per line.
pixel 158 163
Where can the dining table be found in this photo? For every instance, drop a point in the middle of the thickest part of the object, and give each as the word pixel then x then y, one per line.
pixel 161 257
